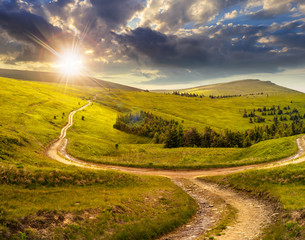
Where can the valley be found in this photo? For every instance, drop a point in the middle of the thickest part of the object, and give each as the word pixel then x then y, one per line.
pixel 152 120
pixel 98 155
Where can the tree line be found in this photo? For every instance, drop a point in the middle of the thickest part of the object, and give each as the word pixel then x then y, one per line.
pixel 148 125
pixel 235 95
pixel 187 94
pixel 281 114
pixel 172 134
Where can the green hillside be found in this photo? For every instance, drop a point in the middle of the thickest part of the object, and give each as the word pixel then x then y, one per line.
pixel 99 138
pixel 71 202
pixel 53 77
pixel 201 112
pixel 33 114
pixel 243 87
pixel 43 199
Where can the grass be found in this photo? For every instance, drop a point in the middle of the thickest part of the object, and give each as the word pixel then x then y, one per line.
pixel 285 185
pixel 116 206
pixel 243 87
pixel 45 199
pixel 200 112
pixel 84 204
pixel 95 140
pixel 32 115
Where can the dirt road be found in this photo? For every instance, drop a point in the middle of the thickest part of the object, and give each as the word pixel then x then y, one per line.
pixel 252 215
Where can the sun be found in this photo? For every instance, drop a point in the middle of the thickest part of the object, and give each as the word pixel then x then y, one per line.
pixel 70 64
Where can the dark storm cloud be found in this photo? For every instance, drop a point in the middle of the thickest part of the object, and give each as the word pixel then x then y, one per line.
pixel 7 45
pixel 9 5
pixel 178 40
pixel 116 12
pixel 189 52
pixel 20 24
pixel 28 53
pixel 231 50
pixel 291 35
pixel 162 49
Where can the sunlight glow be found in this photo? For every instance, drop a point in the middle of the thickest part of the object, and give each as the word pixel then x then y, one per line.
pixel 70 64
pixel 89 51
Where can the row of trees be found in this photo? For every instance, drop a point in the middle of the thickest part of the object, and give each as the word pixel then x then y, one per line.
pixel 236 95
pixel 293 114
pixel 148 125
pixel 257 120
pixel 273 108
pixel 171 133
pixel 224 96
pixel 211 96
pixel 187 94
pixel 227 139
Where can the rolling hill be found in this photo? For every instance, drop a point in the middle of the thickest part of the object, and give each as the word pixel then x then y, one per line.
pixel 53 77
pixel 43 199
pixel 199 112
pixel 241 87
pixel 33 113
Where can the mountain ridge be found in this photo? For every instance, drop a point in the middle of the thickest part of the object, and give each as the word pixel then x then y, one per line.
pixel 52 77
pixel 238 87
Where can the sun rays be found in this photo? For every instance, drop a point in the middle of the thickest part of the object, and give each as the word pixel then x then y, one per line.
pixel 70 64
pixel 68 61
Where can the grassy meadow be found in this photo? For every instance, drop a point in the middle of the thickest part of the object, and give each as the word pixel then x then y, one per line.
pixel 89 205
pixel 94 139
pixel 201 112
pixel 243 87
pixel 45 199
pixel 31 117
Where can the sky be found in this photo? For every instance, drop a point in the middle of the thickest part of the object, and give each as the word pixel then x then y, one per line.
pixel 159 44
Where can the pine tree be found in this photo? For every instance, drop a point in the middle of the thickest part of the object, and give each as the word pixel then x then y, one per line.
pixel 174 137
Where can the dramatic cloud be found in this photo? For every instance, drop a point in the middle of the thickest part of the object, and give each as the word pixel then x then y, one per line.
pixel 232 49
pixel 21 24
pixel 171 15
pixel 22 27
pixel 160 41
pixel 116 12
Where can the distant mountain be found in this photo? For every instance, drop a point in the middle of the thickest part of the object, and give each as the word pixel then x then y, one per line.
pixel 243 87
pixel 58 78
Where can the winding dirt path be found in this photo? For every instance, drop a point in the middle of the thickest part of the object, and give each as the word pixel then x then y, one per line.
pixel 252 215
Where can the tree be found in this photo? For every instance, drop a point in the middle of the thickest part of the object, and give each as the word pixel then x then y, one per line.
pixel 247 142
pixel 156 138
pixel 207 137
pixel 174 137
pixel 192 138
pixel 245 114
